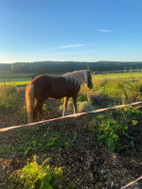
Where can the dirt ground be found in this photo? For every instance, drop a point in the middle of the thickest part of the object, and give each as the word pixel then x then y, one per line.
pixel 86 162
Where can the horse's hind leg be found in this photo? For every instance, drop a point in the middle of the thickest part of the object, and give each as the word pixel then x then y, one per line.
pixel 38 109
pixel 65 105
pixel 75 104
pixel 41 111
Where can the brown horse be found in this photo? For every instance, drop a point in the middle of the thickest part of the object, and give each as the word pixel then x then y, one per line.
pixel 43 87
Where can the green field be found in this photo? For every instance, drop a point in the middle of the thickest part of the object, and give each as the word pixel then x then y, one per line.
pixel 10 78
pixel 16 79
pixel 119 75
pixel 127 86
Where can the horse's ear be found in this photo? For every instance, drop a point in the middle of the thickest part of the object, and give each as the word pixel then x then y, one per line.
pixel 90 72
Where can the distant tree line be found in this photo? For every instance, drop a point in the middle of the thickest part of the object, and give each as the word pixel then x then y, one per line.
pixel 60 67
pixel 5 67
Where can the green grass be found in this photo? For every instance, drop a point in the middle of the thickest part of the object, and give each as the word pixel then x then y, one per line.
pixel 23 78
pixel 124 88
pixel 9 74
pixel 17 79
pixel 15 83
pixel 119 75
pixel 121 85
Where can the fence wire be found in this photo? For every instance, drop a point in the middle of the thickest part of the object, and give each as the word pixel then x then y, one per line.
pixel 46 122
pixel 131 183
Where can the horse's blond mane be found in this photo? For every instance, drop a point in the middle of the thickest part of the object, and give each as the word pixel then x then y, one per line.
pixel 77 76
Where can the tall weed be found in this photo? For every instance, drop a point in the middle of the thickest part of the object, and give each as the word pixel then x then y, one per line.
pixel 9 97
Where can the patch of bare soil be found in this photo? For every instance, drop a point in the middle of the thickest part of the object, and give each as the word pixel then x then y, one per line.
pixel 86 161
pixel 102 102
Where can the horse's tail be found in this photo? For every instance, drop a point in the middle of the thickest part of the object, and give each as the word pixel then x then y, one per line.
pixel 30 101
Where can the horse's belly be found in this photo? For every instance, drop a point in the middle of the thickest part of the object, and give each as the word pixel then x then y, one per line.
pixel 60 94
pixel 57 96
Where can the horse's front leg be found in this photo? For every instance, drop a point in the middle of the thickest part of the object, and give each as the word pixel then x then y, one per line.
pixel 65 105
pixel 75 104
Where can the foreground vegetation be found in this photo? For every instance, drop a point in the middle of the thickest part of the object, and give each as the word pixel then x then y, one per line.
pixel 72 145
pixel 37 176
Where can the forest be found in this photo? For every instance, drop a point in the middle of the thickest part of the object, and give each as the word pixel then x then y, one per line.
pixel 68 66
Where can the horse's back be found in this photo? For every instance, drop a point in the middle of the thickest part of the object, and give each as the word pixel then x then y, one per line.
pixel 54 87
pixel 48 81
pixel 47 86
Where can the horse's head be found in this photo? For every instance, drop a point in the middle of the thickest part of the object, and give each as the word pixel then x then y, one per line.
pixel 89 82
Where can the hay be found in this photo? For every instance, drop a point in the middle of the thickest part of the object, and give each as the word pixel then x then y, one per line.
pixel 82 107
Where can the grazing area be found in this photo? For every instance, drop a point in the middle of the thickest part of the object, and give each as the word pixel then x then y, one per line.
pixel 98 151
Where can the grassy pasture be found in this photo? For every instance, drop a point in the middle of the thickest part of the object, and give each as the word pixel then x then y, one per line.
pixel 124 88
pixel 8 77
pixel 16 79
pixel 127 86
pixel 129 75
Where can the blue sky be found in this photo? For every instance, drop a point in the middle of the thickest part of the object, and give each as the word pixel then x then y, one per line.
pixel 78 30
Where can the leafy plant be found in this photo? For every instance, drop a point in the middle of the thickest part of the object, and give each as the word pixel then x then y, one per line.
pixel 112 128
pixel 109 135
pixel 37 176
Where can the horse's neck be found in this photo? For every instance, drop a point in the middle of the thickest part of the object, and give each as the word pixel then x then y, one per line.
pixel 80 78
pixel 82 82
pixel 83 79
